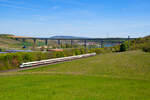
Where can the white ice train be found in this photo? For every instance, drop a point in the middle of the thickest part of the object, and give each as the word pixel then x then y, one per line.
pixel 56 60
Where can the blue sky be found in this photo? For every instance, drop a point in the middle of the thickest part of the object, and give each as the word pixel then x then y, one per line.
pixel 88 18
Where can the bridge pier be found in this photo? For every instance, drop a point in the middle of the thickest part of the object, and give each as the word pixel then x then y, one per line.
pixel 46 42
pixel 102 44
pixel 34 40
pixel 71 43
pixel 17 39
pixel 85 43
pixel 23 40
pixel 59 43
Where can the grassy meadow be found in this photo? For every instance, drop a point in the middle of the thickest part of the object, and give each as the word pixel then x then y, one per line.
pixel 112 76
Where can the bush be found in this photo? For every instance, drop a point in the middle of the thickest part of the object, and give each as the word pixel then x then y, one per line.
pixel 101 50
pixel 123 47
pixel 69 52
pixel 60 54
pixel 77 52
pixel 115 48
pixel 146 47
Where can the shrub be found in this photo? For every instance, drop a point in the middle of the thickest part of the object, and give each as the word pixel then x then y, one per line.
pixel 146 47
pixel 60 54
pixel 123 47
pixel 100 50
pixel 69 52
pixel 77 52
pixel 83 51
pixel 27 57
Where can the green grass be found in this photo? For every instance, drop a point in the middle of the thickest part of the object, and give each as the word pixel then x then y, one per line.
pixel 114 76
pixel 135 64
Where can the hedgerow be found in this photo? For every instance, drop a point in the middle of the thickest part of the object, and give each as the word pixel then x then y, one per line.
pixel 100 50
pixel 13 60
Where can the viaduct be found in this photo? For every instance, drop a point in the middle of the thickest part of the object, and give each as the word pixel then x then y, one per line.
pixel 85 40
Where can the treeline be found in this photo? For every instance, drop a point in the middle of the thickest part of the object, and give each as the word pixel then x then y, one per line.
pixel 139 43
pixel 136 44
pixel 13 60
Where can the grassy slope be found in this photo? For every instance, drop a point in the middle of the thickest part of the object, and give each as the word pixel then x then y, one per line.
pixel 9 43
pixel 118 76
pixel 133 63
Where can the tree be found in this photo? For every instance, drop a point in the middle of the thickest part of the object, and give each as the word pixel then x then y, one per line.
pixel 123 47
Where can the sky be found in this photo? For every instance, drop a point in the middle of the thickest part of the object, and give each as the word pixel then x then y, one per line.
pixel 84 18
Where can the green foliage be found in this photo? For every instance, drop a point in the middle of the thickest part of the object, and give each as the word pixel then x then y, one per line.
pixel 13 60
pixel 69 52
pixel 82 51
pixel 140 43
pixel 123 47
pixel 115 48
pixel 60 54
pixel 146 47
pixel 101 50
pixel 77 52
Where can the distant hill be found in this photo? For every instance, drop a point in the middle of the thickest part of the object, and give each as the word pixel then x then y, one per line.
pixel 6 35
pixel 6 43
pixel 66 37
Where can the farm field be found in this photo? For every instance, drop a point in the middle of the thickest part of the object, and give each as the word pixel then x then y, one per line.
pixel 113 76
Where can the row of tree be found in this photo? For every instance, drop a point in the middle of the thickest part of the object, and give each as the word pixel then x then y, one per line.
pixel 140 43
